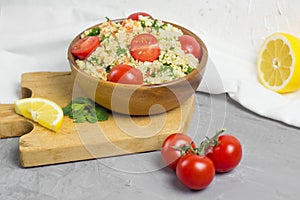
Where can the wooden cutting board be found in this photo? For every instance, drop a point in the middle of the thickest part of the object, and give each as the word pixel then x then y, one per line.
pixel 119 135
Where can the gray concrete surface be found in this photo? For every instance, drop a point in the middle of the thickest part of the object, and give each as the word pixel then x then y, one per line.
pixel 269 168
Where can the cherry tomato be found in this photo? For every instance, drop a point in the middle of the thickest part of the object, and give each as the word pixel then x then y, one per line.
pixel 195 171
pixel 227 154
pixel 190 45
pixel 135 16
pixel 125 74
pixel 144 47
pixel 85 46
pixel 169 155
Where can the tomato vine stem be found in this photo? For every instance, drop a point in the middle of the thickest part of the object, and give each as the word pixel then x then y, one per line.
pixel 208 143
pixel 204 146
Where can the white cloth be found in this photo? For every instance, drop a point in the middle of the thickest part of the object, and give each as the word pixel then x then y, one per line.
pixel 232 65
pixel 34 36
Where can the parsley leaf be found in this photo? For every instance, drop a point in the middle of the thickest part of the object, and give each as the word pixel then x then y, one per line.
pixel 156 26
pixel 143 23
pixel 172 48
pixel 104 37
pixel 94 32
pixel 84 109
pixel 189 70
pixel 101 113
pixel 120 51
pixel 108 68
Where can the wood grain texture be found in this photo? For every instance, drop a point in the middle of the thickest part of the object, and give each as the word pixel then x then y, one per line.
pixel 11 124
pixel 120 134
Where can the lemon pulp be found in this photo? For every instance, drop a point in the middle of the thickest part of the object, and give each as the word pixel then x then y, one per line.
pixel 279 63
pixel 43 111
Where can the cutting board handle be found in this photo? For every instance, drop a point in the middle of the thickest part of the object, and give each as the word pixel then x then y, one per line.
pixel 12 124
pixel 26 92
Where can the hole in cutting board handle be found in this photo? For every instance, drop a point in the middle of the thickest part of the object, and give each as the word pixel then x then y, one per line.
pixel 15 128
pixel 26 92
pixel 11 125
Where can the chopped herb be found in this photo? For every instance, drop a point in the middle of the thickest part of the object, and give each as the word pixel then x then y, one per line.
pixel 166 67
pixel 153 74
pixel 163 26
pixel 107 19
pixel 94 32
pixel 120 51
pixel 189 70
pixel 154 25
pixel 172 48
pixel 148 70
pixel 94 60
pixel 103 37
pixel 84 109
pixel 157 26
pixel 108 68
pixel 143 23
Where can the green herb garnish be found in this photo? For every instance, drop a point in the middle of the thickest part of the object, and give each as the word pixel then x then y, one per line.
pixel 153 74
pixel 181 66
pixel 166 67
pixel 120 51
pixel 143 23
pixel 108 68
pixel 84 109
pixel 163 26
pixel 148 70
pixel 94 32
pixel 94 60
pixel 189 70
pixel 103 37
pixel 156 27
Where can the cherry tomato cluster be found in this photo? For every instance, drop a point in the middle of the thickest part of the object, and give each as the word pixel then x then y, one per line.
pixel 196 166
pixel 144 47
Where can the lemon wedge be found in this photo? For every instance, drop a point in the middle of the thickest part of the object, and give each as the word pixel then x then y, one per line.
pixel 279 63
pixel 43 111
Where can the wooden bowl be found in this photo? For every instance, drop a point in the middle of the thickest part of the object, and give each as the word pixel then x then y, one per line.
pixel 140 99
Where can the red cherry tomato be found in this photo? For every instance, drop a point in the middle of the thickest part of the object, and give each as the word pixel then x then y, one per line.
pixel 125 74
pixel 227 154
pixel 85 46
pixel 144 47
pixel 195 171
pixel 135 16
pixel 170 156
pixel 190 45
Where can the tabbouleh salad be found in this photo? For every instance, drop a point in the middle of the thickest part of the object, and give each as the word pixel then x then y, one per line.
pixel 114 49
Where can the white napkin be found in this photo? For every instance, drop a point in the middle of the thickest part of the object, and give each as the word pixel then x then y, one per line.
pixel 232 69
pixel 35 36
pixel 238 78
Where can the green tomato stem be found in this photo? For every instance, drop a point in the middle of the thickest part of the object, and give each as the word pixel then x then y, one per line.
pixel 204 146
pixel 208 143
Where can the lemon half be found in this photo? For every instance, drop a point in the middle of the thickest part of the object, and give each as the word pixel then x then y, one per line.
pixel 279 63
pixel 43 111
